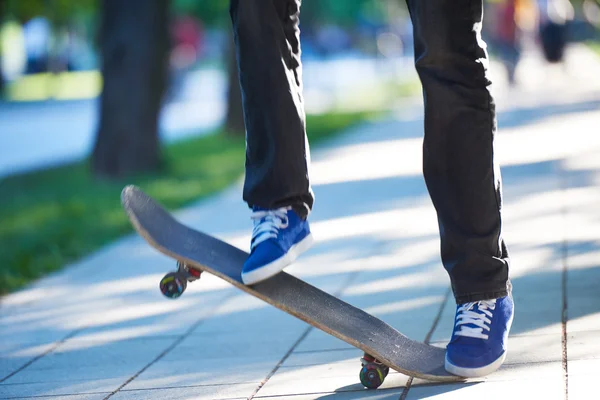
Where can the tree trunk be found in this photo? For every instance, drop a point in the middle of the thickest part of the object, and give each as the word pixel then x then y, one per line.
pixel 134 44
pixel 2 83
pixel 234 120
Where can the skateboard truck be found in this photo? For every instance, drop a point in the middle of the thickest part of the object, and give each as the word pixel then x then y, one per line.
pixel 173 284
pixel 373 372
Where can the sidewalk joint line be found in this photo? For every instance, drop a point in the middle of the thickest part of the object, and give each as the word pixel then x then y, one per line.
pixel 280 363
pixel 564 319
pixel 146 389
pixel 351 277
pixel 283 396
pixel 45 353
pixel 177 341
pixel 564 186
pixel 427 339
pixel 37 396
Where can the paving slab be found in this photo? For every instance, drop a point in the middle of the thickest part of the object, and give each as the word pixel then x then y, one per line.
pixel 582 345
pixel 66 373
pixel 581 180
pixel 296 381
pixel 534 349
pixel 210 392
pixel 75 354
pixel 588 321
pixel 9 366
pixel 386 394
pixel 512 372
pixel 551 389
pixel 412 312
pixel 59 388
pixel 323 372
pixel 514 380
pixel 242 312
pixel 197 371
pixel 318 340
pixel 333 357
pixel 95 396
pixel 214 346
pixel 583 302
pixel 582 379
pixel 346 367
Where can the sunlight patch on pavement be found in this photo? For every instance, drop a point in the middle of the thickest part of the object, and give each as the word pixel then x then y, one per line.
pixel 42 317
pixel 553 138
pixel 352 163
pixel 420 279
pixel 543 260
pixel 239 303
pixel 32 295
pixel 129 312
pixel 96 338
pixel 121 286
pixel 585 160
pixel 405 255
pixel 406 222
pixel 589 322
pixel 404 305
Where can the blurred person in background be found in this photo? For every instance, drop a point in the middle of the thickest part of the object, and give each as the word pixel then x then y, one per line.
pixel 509 24
pixel 37 34
pixel 554 16
pixel 507 37
pixel 458 160
pixel 188 35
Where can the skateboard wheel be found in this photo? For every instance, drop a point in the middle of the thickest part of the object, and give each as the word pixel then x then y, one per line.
pixel 372 375
pixel 173 285
pixel 369 359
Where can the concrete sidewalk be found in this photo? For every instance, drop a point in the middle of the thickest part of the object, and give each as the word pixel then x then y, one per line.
pixel 101 329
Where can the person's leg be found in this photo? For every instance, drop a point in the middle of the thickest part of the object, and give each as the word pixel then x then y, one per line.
pixel 277 186
pixel 461 174
pixel 267 42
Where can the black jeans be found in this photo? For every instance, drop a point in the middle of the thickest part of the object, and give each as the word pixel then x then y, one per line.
pixel 458 159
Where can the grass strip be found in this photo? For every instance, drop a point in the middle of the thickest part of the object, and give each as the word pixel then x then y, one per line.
pixel 50 218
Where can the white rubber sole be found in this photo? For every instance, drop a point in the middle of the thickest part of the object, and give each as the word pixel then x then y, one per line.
pixel 474 372
pixel 269 270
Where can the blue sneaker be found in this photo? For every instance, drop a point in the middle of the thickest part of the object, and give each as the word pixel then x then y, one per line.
pixel 480 338
pixel 278 238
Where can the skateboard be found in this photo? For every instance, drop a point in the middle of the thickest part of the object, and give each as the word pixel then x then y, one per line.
pixel 384 347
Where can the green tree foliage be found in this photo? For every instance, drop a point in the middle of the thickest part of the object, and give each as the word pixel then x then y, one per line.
pixel 211 12
pixel 60 12
pixel 343 12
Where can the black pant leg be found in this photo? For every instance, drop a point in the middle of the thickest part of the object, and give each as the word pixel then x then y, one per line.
pixel 458 151
pixel 267 41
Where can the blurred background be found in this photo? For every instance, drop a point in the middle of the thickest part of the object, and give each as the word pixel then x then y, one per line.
pixel 96 94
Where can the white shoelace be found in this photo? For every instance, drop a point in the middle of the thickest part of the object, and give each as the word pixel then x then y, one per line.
pixel 482 319
pixel 267 224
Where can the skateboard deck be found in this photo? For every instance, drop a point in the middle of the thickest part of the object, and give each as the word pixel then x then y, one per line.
pixel 284 291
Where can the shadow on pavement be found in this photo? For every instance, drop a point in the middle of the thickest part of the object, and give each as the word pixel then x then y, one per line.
pixel 379 252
